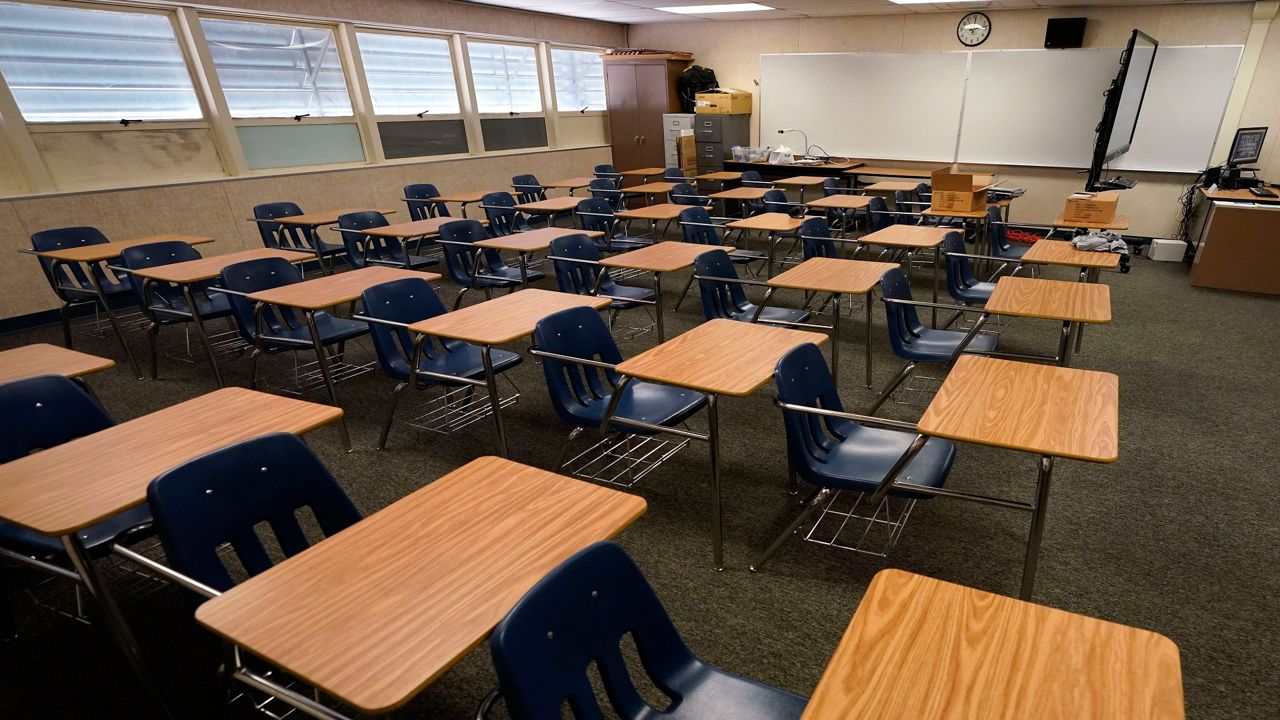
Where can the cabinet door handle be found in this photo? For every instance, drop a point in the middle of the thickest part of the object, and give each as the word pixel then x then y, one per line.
pixel 636 140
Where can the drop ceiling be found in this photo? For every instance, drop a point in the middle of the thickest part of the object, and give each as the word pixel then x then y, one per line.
pixel 643 11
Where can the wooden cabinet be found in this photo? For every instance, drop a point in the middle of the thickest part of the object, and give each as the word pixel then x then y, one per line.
pixel 640 90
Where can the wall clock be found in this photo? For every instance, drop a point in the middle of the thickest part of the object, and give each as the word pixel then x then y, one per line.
pixel 973 29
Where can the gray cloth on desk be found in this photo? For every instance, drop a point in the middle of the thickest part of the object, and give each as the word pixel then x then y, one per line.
pixel 1100 241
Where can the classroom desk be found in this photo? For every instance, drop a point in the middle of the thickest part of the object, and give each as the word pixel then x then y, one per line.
pixel 307 223
pixel 570 184
pixel 912 238
pixel 658 258
pixel 88 255
pixel 775 225
pixel 311 296
pixel 381 610
pixel 463 199
pixel 739 195
pixel 549 207
pixel 64 489
pixel 844 204
pixel 1061 252
pixel 924 649
pixel 890 186
pixel 530 241
pixel 498 322
pixel 838 277
pixel 414 228
pixel 191 272
pixel 650 189
pixel 30 361
pixel 1045 410
pixel 856 174
pixel 800 181
pixel 1071 303
pixel 1119 222
pixel 770 171
pixel 643 173
pixel 654 214
pixel 718 357
pixel 720 176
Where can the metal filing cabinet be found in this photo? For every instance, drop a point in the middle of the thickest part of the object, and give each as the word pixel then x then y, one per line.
pixel 716 134
pixel 672 125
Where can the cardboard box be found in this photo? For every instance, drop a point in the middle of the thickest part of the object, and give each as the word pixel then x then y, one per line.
pixel 726 101
pixel 687 150
pixel 1091 207
pixel 956 192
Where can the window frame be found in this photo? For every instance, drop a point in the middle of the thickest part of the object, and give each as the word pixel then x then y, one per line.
pixel 541 79
pixel 334 29
pixel 458 89
pixel 552 70
pixel 191 63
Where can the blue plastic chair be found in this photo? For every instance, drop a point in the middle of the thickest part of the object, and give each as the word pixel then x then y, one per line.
pixel 578 615
pixel 775 201
pixel 282 328
pixel 674 175
pixel 421 202
pixel 500 211
pixel 836 453
pixel 293 237
pixel 878 217
pixel 40 413
pixel 608 172
pixel 1000 245
pixel 961 283
pixel 458 239
pixel 607 190
pixel 831 186
pixel 364 250
pixel 697 226
pixel 226 496
pixel 911 339
pixel 581 277
pixel 752 178
pixel 164 302
pixel 528 189
pixel 407 301
pixel 581 392
pixel 686 194
pixel 815 239
pixel 596 214
pixel 723 296
pixel 68 280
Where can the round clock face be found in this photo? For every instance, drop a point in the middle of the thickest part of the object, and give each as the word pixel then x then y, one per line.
pixel 973 29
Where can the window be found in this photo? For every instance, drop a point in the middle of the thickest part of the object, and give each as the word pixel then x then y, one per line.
pixel 408 75
pixel 579 78
pixel 74 65
pixel 270 70
pixel 505 78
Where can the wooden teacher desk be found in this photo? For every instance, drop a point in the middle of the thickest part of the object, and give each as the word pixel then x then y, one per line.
pixel 1238 246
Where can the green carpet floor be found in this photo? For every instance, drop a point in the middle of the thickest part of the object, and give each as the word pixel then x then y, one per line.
pixel 1179 536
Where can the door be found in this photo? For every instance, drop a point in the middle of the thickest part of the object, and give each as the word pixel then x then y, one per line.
pixel 653 98
pixel 620 82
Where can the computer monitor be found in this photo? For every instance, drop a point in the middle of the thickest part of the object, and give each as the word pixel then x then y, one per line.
pixel 1247 147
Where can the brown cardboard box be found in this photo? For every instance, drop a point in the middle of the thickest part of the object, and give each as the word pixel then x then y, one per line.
pixel 687 150
pixel 956 192
pixel 726 102
pixel 1096 208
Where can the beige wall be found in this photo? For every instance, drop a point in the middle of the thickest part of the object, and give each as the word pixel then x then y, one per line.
pixel 1263 104
pixel 732 49
pixel 220 208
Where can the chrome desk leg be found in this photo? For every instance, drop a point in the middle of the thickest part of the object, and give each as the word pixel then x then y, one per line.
pixel 968 338
pixel 657 307
pixel 200 333
pixel 495 402
pixel 867 301
pixel 83 565
pixel 1043 475
pixel 323 361
pixel 524 269
pixel 835 339
pixel 717 529
pixel 937 261
pixel 115 323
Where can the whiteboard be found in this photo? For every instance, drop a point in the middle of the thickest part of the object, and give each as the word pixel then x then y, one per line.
pixel 899 105
pixel 1013 116
pixel 1003 107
